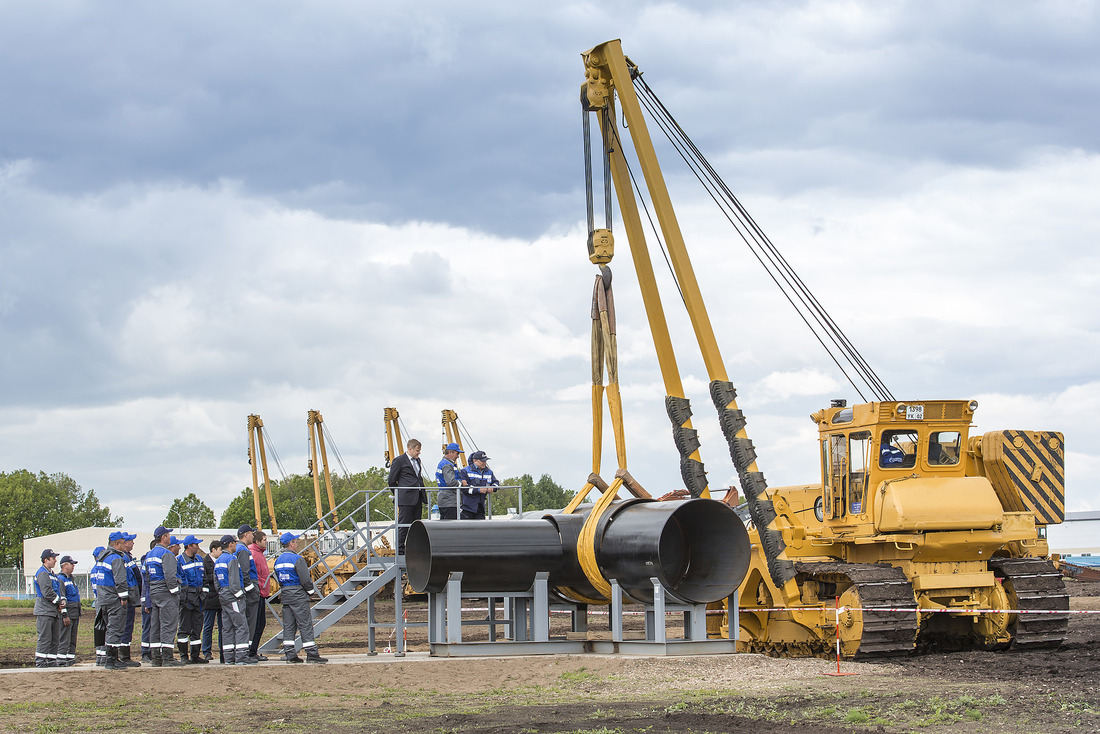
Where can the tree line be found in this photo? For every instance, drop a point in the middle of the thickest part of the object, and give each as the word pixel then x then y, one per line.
pixel 41 504
pixel 295 505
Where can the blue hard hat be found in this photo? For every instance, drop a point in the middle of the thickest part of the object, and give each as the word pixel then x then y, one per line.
pixel 454 447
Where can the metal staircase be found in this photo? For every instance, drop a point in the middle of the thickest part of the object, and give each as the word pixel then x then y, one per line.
pixel 333 540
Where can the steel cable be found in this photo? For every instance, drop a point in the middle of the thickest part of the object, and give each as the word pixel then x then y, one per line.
pixel 778 268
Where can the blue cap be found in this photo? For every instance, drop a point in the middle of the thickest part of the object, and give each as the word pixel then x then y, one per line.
pixel 173 540
pixel 129 536
pixel 116 535
pixel 287 537
pixel 191 540
pixel 478 456
pixel 227 539
pixel 454 447
pixel 161 530
pixel 49 553
pixel 98 549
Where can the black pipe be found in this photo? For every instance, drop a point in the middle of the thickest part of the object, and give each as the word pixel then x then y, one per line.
pixel 569 575
pixel 697 549
pixel 492 556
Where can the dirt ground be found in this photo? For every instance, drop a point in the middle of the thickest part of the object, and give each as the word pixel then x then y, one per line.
pixel 1050 691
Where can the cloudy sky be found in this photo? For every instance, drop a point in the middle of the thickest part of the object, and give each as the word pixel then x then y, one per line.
pixel 212 210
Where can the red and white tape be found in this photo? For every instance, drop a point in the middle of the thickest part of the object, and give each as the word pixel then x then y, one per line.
pixel 844 609
pixel 922 611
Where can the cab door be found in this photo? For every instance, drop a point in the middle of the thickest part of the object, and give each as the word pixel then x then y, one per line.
pixel 834 451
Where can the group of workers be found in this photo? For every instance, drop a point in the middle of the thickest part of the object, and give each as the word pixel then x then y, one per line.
pixel 462 492
pixel 182 592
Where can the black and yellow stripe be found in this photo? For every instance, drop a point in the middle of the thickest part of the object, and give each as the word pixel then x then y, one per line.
pixel 1027 469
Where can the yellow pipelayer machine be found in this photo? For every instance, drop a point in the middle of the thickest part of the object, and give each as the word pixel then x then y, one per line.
pixel 910 513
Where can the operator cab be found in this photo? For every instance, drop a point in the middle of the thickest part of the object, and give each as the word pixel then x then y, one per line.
pixel 864 445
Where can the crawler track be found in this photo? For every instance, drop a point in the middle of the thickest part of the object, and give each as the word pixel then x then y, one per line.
pixel 1036 584
pixel 879 585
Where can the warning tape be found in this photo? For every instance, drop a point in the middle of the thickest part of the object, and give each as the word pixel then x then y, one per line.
pixel 922 611
pixel 842 609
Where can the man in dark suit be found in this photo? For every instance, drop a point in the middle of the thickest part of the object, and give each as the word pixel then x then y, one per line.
pixel 406 476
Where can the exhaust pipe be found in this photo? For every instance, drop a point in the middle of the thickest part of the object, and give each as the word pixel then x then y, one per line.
pixel 697 549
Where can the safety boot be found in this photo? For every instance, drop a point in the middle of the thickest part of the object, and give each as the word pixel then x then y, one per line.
pixel 168 660
pixel 197 657
pixel 41 662
pixel 157 660
pixel 290 654
pixel 112 660
pixel 124 658
pixel 313 655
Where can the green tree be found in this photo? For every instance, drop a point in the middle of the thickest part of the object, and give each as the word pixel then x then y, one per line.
pixel 545 494
pixel 189 512
pixel 40 504
pixel 295 502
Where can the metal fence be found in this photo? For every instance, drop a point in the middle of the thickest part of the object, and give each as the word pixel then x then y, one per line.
pixel 11 584
pixel 14 585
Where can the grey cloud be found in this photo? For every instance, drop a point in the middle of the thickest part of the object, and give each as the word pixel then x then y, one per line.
pixel 464 114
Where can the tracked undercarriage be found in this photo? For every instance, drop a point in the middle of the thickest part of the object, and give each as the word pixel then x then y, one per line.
pixel 876 613
pixel 1033 584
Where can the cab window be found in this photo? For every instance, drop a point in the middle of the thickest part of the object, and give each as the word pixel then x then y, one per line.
pixel 944 448
pixel 898 449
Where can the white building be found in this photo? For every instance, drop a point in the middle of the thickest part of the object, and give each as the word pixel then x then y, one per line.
pixel 1077 539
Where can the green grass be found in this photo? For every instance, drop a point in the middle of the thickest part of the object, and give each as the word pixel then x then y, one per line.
pixel 856 716
pixel 19 635
pixel 580 675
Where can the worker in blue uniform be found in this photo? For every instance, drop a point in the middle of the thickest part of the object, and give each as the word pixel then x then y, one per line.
pixel 146 609
pixel 211 606
pixel 66 650
pixel 229 578
pixel 480 482
pixel 295 588
pixel 163 598
pixel 189 640
pixel 252 598
pixel 446 476
pixel 112 595
pixel 48 605
pixel 136 582
pixel 99 622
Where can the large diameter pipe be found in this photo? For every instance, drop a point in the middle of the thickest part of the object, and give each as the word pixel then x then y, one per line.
pixel 698 550
pixel 492 556
pixel 569 574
